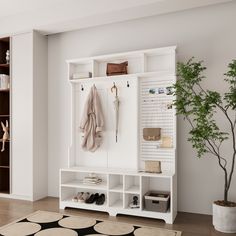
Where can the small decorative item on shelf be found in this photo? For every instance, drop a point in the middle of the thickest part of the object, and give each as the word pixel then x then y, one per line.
pixel 153 167
pixel 5 136
pixel 4 81
pixel 82 75
pixel 161 90
pixel 169 106
pixel 169 90
pixel 152 91
pixel 151 134
pixel 166 142
pixel 8 57
pixel 117 69
pixel 135 203
pixel 157 201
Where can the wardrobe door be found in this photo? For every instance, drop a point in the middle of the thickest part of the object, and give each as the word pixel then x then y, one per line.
pixel 22 115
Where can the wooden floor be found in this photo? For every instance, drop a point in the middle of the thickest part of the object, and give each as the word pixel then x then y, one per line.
pixel 189 224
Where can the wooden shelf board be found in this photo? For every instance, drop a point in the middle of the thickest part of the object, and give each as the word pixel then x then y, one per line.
pixel 80 184
pixel 5 65
pixel 4 115
pixel 118 204
pixel 118 188
pixel 6 167
pixel 101 170
pixel 5 39
pixel 4 90
pixel 92 206
pixel 135 189
pixel 138 210
pixel 126 76
pixel 5 191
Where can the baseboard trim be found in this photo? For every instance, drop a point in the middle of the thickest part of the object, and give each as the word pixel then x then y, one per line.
pixel 16 197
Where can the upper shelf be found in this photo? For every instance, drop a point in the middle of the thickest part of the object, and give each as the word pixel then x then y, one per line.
pixel 152 62
pixel 128 76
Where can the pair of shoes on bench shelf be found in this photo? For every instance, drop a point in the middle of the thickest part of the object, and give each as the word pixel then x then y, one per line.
pixel 96 198
pixel 81 197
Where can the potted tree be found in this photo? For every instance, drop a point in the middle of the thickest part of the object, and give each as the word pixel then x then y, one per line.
pixel 199 107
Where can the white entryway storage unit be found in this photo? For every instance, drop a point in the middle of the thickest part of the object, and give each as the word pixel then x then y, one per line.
pixel 145 102
pixel 28 112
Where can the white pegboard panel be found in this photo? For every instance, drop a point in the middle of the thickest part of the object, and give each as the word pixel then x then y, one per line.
pixel 154 113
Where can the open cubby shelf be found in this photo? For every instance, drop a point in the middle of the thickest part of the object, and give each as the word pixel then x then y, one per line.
pixel 121 164
pixel 4 180
pixel 5 166
pixel 117 199
pixel 160 60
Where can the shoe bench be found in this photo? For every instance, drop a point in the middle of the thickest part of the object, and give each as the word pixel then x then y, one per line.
pixel 119 187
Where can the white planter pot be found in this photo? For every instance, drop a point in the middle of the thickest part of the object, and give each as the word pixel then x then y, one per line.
pixel 224 218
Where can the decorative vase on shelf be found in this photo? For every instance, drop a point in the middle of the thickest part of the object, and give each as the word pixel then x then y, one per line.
pixel 8 57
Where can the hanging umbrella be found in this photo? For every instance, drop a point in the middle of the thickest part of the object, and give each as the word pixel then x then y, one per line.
pixel 116 107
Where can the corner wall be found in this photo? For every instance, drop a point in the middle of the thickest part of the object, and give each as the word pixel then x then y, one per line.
pixel 207 33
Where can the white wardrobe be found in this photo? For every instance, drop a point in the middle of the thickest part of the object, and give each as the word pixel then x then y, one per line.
pixel 28 125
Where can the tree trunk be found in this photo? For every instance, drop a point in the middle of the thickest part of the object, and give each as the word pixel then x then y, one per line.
pixel 226 190
pixel 226 196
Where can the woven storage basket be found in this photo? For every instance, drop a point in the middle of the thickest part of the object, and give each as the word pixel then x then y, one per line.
pixel 153 166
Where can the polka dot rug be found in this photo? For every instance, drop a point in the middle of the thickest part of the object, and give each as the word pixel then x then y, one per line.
pixel 43 223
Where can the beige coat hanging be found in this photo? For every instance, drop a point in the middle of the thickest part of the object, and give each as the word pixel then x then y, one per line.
pixel 92 122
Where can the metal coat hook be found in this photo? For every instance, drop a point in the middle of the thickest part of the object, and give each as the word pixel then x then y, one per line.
pixel 128 84
pixel 114 88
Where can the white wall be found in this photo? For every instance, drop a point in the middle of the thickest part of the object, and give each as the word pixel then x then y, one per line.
pixel 206 33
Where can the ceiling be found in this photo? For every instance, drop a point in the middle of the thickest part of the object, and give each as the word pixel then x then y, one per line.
pixel 54 16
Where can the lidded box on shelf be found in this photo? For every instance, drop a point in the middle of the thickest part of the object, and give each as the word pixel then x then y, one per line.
pixel 157 201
